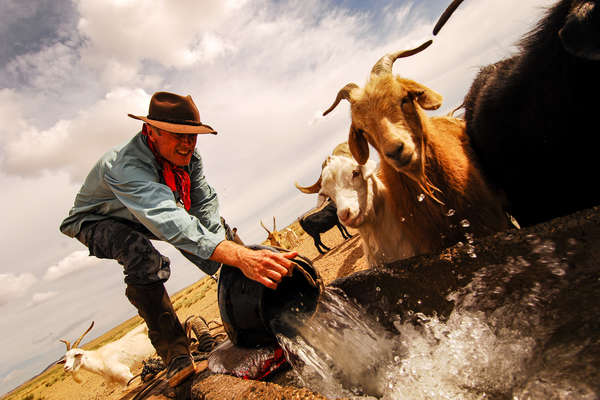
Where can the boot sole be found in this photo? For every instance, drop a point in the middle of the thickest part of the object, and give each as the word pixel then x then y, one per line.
pixel 182 375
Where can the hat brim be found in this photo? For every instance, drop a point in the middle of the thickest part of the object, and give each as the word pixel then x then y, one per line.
pixel 176 128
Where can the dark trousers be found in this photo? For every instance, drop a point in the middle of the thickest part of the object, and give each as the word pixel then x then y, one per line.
pixel 130 246
pixel 145 271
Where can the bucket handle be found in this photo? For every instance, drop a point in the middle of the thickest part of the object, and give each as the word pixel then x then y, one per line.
pixel 317 285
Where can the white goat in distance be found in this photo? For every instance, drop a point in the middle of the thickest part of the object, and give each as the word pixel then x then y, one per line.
pixel 114 360
pixel 363 203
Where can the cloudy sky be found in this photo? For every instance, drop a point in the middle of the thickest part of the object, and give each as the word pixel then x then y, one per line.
pixel 261 72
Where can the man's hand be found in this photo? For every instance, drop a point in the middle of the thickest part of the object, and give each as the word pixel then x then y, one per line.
pixel 263 266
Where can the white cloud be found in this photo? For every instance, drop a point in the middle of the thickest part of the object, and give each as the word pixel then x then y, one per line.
pixel 41 297
pixel 163 31
pixel 49 69
pixel 12 375
pixel 70 145
pixel 74 262
pixel 13 286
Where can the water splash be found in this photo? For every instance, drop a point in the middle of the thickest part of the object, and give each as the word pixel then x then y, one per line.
pixel 472 354
pixel 340 352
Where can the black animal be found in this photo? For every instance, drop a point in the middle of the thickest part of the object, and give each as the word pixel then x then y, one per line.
pixel 315 223
pixel 531 118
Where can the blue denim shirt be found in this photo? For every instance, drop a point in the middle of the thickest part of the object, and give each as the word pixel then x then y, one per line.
pixel 127 183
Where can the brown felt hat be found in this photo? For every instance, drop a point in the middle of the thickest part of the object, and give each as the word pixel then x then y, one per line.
pixel 174 113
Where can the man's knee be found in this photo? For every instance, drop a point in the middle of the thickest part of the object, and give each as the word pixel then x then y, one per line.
pixel 142 263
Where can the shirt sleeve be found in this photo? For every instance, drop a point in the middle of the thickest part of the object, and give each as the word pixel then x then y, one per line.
pixel 205 203
pixel 153 204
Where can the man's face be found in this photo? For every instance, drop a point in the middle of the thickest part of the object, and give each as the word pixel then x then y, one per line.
pixel 175 147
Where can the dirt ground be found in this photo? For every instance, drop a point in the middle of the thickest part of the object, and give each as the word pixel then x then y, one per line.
pixel 345 257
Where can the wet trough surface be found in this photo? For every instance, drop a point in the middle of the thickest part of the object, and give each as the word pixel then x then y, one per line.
pixel 533 295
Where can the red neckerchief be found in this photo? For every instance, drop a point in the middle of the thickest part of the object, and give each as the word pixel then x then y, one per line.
pixel 175 177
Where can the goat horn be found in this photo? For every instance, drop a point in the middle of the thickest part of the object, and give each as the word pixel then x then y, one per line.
pixel 445 16
pixel 76 343
pixel 67 343
pixel 384 65
pixel 274 226
pixel 344 93
pixel 263 225
pixel 310 189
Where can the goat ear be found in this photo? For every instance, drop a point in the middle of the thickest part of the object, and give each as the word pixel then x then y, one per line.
pixel 359 147
pixel 369 168
pixel 427 98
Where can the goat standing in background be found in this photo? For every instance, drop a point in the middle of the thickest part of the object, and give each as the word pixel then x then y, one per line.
pixel 274 237
pixel 426 163
pixel 532 118
pixel 320 220
pixel 114 360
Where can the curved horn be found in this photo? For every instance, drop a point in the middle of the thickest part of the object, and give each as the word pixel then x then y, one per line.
pixel 76 343
pixel 67 343
pixel 445 16
pixel 263 225
pixel 384 65
pixel 314 188
pixel 344 93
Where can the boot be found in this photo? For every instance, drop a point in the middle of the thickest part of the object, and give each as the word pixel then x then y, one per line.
pixel 164 329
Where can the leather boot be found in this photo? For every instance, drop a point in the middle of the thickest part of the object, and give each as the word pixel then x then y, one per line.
pixel 164 329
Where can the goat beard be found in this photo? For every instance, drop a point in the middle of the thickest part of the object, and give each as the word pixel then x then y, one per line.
pixel 76 377
pixel 421 178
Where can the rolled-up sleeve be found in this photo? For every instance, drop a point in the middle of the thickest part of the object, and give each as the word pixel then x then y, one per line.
pixel 153 204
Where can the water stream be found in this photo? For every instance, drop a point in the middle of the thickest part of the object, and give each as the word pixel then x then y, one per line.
pixel 341 352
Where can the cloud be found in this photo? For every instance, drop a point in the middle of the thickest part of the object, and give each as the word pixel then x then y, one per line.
pixel 69 145
pixel 13 286
pixel 12 375
pixel 169 33
pixel 73 263
pixel 41 297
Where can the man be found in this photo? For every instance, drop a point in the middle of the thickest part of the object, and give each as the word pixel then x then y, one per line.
pixel 154 188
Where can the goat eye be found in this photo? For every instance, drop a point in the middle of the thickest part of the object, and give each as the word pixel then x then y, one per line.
pixel 355 173
pixel 406 100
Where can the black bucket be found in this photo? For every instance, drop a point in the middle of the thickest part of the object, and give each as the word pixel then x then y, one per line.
pixel 249 310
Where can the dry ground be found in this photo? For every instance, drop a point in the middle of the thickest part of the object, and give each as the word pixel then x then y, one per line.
pixel 199 298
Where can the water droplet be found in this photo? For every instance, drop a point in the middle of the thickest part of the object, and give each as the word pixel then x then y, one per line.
pixel 421 197
pixel 465 223
pixel 450 212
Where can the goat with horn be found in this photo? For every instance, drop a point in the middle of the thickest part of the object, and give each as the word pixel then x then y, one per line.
pixel 113 361
pixel 426 162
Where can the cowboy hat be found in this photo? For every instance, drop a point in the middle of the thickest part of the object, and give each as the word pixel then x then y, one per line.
pixel 174 113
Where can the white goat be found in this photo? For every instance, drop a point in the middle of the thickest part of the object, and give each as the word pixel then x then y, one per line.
pixel 113 360
pixel 364 203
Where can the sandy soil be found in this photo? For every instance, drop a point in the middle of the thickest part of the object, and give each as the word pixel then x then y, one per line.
pixel 344 258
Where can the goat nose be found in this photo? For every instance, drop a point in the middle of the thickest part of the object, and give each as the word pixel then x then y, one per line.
pixel 344 214
pixel 396 153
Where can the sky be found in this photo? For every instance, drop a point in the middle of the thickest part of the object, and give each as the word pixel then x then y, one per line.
pixel 261 72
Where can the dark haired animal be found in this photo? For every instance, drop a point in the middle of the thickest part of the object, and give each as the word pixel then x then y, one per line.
pixel 531 118
pixel 316 222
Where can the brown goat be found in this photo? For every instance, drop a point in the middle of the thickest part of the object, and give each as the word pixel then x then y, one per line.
pixel 426 163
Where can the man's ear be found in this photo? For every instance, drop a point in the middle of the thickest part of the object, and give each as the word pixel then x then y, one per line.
pixel 149 132
pixel 359 147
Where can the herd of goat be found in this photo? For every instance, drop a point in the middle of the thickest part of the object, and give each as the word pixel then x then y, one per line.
pixel 525 148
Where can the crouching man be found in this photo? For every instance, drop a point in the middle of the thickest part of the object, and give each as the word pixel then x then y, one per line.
pixel 154 187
